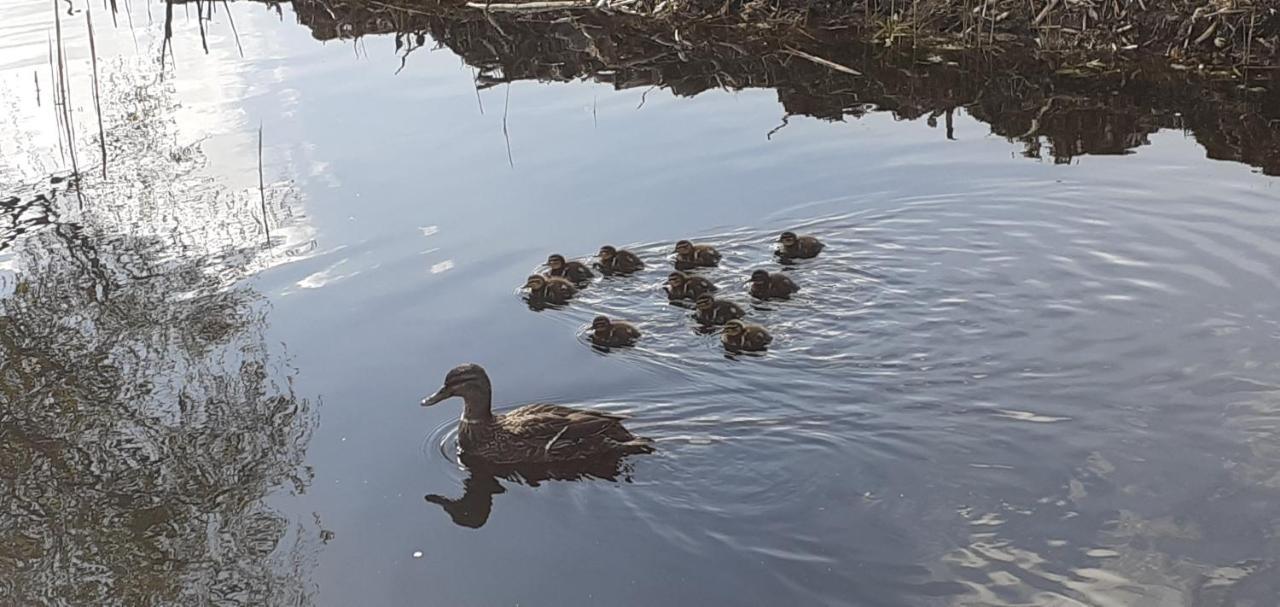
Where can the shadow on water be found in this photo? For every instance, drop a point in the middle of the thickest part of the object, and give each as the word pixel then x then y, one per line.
pixel 147 423
pixel 1052 109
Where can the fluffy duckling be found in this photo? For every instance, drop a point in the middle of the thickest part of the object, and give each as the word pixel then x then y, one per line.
pixel 613 333
pixel 798 247
pixel 771 286
pixel 712 311
pixel 574 271
pixel 549 289
pixel 532 434
pixel 690 256
pixel 739 336
pixel 683 286
pixel 613 261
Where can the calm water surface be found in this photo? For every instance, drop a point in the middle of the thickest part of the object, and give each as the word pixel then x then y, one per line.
pixel 1007 381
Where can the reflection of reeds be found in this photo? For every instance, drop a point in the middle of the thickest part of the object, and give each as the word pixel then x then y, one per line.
pixel 64 85
pixel 97 103
pixel 262 190
pixel 226 7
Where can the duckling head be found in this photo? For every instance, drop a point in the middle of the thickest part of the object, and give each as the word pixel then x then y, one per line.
pixel 684 247
pixel 555 261
pixel 787 238
pixel 734 328
pixel 606 253
pixel 676 279
pixel 600 323
pixel 704 301
pixel 760 277
pixel 468 381
pixel 535 282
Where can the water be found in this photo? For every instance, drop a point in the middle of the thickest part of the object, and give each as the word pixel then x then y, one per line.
pixel 1007 380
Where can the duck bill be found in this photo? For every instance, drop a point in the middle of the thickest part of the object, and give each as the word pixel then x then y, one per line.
pixel 441 394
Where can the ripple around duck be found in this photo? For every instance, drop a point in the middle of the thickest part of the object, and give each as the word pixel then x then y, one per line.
pixel 944 343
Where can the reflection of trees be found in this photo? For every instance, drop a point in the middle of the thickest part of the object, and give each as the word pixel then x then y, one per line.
pixel 1053 109
pixel 142 423
pixel 144 419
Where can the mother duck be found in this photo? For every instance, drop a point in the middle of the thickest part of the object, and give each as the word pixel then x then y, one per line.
pixel 532 434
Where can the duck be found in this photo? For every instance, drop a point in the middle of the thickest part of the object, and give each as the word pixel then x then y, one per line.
pixel 684 286
pixel 690 256
pixel 739 336
pixel 613 333
pixel 771 286
pixel 798 247
pixel 712 311
pixel 533 434
pixel 613 261
pixel 549 289
pixel 573 271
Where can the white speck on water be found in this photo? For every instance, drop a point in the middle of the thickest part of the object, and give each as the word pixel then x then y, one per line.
pixel 428 230
pixel 417 554
pixel 442 266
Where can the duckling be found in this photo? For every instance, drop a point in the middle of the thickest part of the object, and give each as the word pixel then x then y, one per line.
pixel 684 286
pixel 798 247
pixel 549 289
pixel 532 434
pixel 573 271
pixel 614 261
pixel 739 336
pixel 613 333
pixel 771 286
pixel 690 256
pixel 712 311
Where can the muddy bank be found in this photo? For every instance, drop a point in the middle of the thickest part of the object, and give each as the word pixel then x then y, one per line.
pixel 1056 109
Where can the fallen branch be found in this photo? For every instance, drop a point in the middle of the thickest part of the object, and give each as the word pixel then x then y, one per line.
pixel 823 62
pixel 532 7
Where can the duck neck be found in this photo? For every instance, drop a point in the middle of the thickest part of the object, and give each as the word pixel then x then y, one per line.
pixel 477 406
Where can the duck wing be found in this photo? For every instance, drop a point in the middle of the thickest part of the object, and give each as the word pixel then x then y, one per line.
pixel 545 422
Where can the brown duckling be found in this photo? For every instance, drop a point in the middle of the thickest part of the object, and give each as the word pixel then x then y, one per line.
pixel 549 289
pixel 739 336
pixel 532 434
pixel 574 271
pixel 771 286
pixel 798 247
pixel 685 286
pixel 690 256
pixel 613 261
pixel 613 333
pixel 712 311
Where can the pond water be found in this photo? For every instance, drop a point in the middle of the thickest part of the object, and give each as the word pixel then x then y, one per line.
pixel 1008 380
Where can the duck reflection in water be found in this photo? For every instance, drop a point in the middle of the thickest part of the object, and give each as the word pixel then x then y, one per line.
pixel 484 480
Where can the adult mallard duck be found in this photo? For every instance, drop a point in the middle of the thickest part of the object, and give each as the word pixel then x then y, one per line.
pixel 690 256
pixel 712 311
pixel 573 271
pixel 683 286
pixel 613 333
pixel 771 286
pixel 739 336
pixel 617 262
pixel 532 434
pixel 791 246
pixel 549 289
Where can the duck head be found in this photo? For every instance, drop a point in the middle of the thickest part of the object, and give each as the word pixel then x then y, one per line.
pixel 535 282
pixel 684 247
pixel 787 239
pixel 555 261
pixel 601 323
pixel 469 382
pixel 704 302
pixel 734 328
pixel 677 279
pixel 606 253
pixel 760 277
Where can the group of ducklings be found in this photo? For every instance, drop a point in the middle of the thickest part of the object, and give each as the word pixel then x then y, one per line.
pixel 565 277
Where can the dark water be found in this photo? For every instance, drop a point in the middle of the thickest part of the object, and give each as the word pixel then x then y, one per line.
pixel 1007 381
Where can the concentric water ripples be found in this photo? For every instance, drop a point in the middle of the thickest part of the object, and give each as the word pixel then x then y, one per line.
pixel 1026 372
